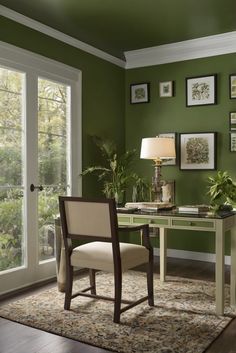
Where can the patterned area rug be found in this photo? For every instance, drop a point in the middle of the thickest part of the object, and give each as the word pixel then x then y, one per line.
pixel 182 321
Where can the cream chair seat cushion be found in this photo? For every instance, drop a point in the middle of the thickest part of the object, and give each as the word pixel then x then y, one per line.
pixel 98 255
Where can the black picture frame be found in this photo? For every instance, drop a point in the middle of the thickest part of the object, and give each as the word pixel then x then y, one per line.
pixel 140 93
pixel 232 141
pixel 166 89
pixel 232 86
pixel 201 90
pixel 190 144
pixel 232 121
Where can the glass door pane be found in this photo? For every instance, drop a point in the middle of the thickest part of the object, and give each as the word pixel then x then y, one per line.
pixel 53 113
pixel 12 240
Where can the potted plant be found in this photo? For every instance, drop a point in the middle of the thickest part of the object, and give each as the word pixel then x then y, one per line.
pixel 116 174
pixel 222 191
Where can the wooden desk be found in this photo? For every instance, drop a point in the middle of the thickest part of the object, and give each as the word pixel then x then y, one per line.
pixel 218 224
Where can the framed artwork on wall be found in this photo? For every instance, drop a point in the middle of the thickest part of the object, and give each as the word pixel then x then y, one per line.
pixel 232 86
pixel 166 89
pixel 232 121
pixel 198 151
pixel 232 141
pixel 201 90
pixel 139 93
pixel 174 136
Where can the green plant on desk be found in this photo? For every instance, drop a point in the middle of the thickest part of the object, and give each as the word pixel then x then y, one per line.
pixel 116 173
pixel 222 191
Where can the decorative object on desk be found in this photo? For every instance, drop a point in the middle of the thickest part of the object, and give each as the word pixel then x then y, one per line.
pixel 157 149
pixel 232 121
pixel 198 151
pixel 183 317
pixel 232 141
pixel 139 93
pixel 149 206
pixel 201 90
pixel 166 89
pixel 141 189
pixel 194 209
pixel 116 174
pixel 168 191
pixel 174 136
pixel 222 191
pixel 232 86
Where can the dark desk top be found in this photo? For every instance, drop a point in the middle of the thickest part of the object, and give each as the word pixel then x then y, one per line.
pixel 175 213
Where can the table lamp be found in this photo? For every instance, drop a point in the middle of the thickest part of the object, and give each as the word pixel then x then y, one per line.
pixel 157 149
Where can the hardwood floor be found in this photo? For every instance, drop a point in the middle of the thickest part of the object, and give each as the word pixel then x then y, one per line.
pixel 17 338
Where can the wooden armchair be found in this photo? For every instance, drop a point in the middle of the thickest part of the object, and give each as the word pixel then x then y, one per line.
pixel 96 221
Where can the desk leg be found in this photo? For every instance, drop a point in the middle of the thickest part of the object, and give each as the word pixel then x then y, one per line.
pixel 233 268
pixel 163 252
pixel 219 268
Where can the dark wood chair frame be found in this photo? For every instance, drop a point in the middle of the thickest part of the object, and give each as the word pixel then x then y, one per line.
pixel 144 229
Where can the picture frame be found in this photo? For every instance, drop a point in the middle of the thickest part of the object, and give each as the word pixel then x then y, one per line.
pixel 198 151
pixel 173 135
pixel 139 93
pixel 166 89
pixel 232 141
pixel 232 86
pixel 232 121
pixel 201 90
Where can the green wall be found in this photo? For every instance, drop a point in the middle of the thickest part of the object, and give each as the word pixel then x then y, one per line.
pixel 106 113
pixel 171 115
pixel 103 106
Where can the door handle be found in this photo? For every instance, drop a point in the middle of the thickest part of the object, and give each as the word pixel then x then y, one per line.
pixel 33 187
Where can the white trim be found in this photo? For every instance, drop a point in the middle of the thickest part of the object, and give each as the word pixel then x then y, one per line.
pixel 190 49
pixel 192 255
pixel 34 66
pixel 25 59
pixel 28 22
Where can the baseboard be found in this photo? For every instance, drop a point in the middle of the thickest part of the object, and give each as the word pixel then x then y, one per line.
pixel 192 255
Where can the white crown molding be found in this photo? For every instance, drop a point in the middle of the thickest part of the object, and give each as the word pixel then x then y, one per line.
pixel 190 49
pixel 28 22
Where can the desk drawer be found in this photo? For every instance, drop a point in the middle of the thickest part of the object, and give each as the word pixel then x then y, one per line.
pixel 153 221
pixel 124 219
pixel 194 224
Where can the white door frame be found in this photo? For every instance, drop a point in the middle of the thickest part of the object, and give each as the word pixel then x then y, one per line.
pixel 35 66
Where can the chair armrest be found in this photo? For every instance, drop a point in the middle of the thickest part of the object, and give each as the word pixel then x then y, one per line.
pixel 145 233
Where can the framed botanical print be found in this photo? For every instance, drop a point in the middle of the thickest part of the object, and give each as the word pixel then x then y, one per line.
pixel 198 151
pixel 232 141
pixel 166 89
pixel 232 121
pixel 232 86
pixel 201 90
pixel 139 93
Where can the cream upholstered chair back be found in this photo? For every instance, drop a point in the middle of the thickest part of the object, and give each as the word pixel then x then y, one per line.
pixel 88 218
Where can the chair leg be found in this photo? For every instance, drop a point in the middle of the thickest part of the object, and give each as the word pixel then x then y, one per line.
pixel 118 292
pixel 68 292
pixel 92 281
pixel 150 281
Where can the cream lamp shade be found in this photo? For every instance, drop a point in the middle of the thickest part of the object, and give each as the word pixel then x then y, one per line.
pixel 157 148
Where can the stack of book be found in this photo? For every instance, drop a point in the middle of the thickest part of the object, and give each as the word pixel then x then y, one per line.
pixel 195 209
pixel 150 206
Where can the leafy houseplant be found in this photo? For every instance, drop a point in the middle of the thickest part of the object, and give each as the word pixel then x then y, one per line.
pixel 222 191
pixel 116 173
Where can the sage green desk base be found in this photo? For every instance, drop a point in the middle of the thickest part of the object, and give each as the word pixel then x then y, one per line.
pixel 217 225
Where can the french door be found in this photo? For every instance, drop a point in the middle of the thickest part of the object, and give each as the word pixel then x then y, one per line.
pixel 36 166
